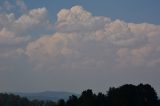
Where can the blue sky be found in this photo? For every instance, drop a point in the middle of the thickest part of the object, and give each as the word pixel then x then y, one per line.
pixel 73 45
pixel 131 11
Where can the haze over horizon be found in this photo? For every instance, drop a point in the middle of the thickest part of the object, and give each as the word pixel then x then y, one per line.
pixel 76 45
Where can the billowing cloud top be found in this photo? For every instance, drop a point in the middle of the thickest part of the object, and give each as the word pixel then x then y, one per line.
pixel 82 45
pixel 78 19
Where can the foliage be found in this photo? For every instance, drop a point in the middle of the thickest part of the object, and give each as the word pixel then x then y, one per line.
pixel 126 95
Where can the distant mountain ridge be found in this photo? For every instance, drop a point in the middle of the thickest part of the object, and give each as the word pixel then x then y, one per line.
pixel 47 95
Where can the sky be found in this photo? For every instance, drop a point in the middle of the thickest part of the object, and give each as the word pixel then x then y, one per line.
pixel 74 45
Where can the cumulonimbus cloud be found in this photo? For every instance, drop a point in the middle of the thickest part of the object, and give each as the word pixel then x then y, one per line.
pixel 84 40
pixel 92 50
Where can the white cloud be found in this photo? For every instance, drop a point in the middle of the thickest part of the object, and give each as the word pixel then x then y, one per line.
pixel 15 32
pixel 77 13
pixel 18 30
pixel 86 41
pixel 35 18
pixel 10 38
pixel 83 19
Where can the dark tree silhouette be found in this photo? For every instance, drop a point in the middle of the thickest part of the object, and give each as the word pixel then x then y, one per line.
pixel 61 102
pixel 72 101
pixel 87 98
pixel 101 100
pixel 130 95
pixel 126 95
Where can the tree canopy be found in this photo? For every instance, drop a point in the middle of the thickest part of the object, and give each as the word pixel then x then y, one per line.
pixel 126 95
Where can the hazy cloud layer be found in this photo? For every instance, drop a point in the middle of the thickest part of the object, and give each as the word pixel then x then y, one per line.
pixel 84 50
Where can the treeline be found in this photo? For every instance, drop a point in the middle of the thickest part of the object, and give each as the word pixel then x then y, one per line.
pixel 126 95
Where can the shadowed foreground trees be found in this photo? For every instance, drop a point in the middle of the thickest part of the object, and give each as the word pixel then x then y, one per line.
pixel 130 95
pixel 126 95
